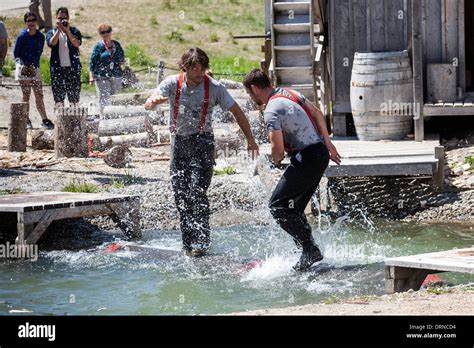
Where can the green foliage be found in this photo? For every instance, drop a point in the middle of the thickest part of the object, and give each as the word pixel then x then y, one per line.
pixel 188 27
pixel 213 38
pixel 470 160
pixel 8 68
pixel 232 67
pixel 12 191
pixel 138 57
pixel 80 186
pixel 230 170
pixel 206 19
pixel 175 36
pixel 153 21
pixel 45 71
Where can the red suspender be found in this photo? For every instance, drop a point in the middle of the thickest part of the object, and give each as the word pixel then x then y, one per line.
pixel 176 102
pixel 205 107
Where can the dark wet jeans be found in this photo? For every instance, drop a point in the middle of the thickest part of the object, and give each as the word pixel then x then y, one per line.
pixel 191 173
pixel 295 189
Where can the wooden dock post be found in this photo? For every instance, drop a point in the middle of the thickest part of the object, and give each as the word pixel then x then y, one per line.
pixel 17 132
pixel 417 29
pixel 438 174
pixel 400 279
pixel 71 133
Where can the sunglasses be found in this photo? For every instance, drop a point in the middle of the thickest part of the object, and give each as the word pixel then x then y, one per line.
pixel 30 20
pixel 106 32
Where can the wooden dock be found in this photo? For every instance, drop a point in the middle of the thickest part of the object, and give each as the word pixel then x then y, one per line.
pixel 36 211
pixel 388 158
pixel 409 272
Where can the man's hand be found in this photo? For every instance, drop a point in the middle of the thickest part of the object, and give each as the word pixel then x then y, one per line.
pixel 253 149
pixel 154 101
pixel 333 154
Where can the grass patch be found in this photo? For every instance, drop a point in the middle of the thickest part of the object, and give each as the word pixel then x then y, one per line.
pixel 8 69
pixel 45 70
pixel 234 67
pixel 438 290
pixel 80 186
pixel 188 27
pixel 331 300
pixel 138 57
pixel 213 38
pixel 230 170
pixel 470 160
pixel 153 21
pixel 175 36
pixel 12 191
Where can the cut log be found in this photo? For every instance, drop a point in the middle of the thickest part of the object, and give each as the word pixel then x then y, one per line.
pixel 128 125
pixel 104 143
pixel 17 132
pixel 131 98
pixel 118 157
pixel 71 133
pixel 43 140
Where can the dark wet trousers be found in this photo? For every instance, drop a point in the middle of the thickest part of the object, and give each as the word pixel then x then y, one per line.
pixel 191 173
pixel 295 189
pixel 66 81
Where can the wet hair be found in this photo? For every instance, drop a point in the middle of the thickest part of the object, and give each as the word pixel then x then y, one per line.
pixel 192 58
pixel 29 14
pixel 104 27
pixel 257 78
pixel 62 10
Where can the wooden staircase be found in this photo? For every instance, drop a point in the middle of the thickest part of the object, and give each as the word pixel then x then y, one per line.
pixel 293 46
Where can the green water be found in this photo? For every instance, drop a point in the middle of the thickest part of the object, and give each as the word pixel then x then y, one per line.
pixel 85 281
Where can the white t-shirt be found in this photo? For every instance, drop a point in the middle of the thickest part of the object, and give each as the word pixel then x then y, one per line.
pixel 64 51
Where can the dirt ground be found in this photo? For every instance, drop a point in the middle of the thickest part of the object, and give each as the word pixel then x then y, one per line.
pixel 449 301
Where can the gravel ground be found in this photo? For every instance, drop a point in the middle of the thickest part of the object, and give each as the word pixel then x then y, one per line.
pixel 446 301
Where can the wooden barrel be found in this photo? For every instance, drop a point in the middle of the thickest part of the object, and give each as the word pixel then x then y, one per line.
pixel 382 95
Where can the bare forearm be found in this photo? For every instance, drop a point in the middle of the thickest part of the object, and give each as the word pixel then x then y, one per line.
pixel 54 39
pixel 320 121
pixel 74 41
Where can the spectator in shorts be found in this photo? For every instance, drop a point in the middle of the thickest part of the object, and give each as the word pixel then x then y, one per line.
pixel 105 66
pixel 28 50
pixel 47 22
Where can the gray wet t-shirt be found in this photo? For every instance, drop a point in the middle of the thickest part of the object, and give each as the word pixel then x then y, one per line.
pixel 289 117
pixel 191 103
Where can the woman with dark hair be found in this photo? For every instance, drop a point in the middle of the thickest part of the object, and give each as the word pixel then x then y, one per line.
pixel 65 41
pixel 28 49
pixel 106 66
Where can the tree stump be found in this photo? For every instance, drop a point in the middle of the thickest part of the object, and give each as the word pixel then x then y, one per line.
pixel 17 132
pixel 71 133
pixel 43 140
pixel 118 157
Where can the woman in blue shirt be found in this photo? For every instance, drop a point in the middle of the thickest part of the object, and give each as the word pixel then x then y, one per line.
pixel 28 50
pixel 105 66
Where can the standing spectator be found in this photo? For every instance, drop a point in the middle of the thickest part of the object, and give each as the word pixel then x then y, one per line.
pixel 3 45
pixel 105 66
pixel 47 22
pixel 28 49
pixel 65 63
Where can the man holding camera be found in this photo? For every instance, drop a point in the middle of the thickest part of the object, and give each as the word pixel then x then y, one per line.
pixel 65 62
pixel 295 126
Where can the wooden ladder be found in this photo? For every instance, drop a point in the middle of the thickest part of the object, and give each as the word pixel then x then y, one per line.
pixel 295 46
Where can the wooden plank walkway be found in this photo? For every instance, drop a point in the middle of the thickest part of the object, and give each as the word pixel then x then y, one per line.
pixel 385 158
pixel 409 272
pixel 36 211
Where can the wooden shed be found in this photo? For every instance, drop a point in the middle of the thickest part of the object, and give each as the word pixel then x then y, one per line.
pixel 439 35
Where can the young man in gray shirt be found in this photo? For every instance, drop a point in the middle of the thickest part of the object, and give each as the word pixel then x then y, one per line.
pixel 296 126
pixel 192 95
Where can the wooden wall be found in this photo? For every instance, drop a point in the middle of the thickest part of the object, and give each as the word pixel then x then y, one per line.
pixel 363 26
pixel 385 25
